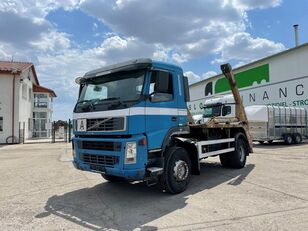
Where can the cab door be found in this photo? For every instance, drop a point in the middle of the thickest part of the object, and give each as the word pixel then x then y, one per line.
pixel 161 107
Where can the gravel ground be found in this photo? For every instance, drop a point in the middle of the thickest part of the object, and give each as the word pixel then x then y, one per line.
pixel 41 190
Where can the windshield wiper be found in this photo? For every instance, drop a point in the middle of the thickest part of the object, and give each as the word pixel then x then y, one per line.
pixel 83 101
pixel 116 105
pixel 104 101
pixel 111 98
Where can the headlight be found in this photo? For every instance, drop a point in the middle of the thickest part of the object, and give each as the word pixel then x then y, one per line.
pixel 130 153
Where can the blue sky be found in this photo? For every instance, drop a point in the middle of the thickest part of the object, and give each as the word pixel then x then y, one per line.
pixel 64 39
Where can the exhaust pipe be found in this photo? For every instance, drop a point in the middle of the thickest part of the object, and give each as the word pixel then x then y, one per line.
pixel 296 34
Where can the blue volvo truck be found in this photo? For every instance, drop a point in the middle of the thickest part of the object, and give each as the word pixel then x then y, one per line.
pixel 131 123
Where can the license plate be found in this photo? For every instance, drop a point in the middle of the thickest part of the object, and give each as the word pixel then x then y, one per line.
pixel 82 125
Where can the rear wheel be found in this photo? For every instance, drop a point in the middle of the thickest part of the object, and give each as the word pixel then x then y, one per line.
pixel 288 139
pixel 236 159
pixel 177 173
pixel 297 138
pixel 111 178
pixel 270 141
pixel 261 142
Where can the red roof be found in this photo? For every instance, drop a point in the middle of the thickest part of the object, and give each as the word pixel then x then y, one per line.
pixel 11 67
pixel 37 88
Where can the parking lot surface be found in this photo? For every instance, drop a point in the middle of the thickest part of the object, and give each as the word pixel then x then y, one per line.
pixel 41 190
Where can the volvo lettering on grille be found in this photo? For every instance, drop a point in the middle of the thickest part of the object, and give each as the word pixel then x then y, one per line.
pixel 106 124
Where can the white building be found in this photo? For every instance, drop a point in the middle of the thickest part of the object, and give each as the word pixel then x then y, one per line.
pixel 280 79
pixel 25 106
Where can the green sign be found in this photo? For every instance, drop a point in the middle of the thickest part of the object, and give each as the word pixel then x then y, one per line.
pixel 245 78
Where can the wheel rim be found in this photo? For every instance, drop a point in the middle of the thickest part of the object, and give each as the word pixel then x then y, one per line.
pixel 289 139
pixel 242 153
pixel 180 170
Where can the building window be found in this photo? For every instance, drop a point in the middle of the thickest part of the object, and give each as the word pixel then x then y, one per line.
pixel 1 124
pixel 30 94
pixel 40 115
pixel 40 101
pixel 40 124
pixel 24 90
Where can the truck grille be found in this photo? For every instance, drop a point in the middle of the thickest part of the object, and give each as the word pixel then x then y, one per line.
pixel 96 145
pixel 104 160
pixel 106 124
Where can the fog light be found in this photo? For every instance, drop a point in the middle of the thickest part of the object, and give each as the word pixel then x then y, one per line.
pixel 130 153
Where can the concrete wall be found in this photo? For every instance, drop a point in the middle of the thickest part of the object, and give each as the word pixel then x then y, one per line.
pixel 25 105
pixel 6 86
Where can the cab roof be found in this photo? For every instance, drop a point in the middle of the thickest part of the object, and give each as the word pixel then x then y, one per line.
pixel 130 65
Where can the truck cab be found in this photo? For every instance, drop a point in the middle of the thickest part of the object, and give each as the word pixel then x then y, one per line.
pixel 220 106
pixel 125 115
pixel 131 123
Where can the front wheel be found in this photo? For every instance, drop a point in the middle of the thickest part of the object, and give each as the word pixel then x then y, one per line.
pixel 177 173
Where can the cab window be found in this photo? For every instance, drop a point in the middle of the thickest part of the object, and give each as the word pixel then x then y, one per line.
pixel 157 95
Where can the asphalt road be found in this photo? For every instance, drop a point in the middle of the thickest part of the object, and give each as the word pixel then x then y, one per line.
pixel 40 190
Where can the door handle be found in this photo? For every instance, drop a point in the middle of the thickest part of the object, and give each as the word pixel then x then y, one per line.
pixel 173 118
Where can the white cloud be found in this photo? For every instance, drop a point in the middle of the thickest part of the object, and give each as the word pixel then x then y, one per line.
pixel 155 22
pixel 177 31
pixel 116 48
pixel 208 74
pixel 188 30
pixel 52 42
pixel 193 77
pixel 180 57
pixel 253 4
pixel 243 47
pixel 36 9
pixel 161 54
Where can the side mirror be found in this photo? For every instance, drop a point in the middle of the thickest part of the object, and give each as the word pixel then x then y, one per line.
pixel 226 110
pixel 162 82
pixel 186 89
pixel 79 80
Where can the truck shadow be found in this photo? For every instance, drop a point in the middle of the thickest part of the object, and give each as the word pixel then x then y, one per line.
pixel 126 206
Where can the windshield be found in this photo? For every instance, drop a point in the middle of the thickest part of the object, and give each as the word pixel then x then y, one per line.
pixel 211 111
pixel 114 91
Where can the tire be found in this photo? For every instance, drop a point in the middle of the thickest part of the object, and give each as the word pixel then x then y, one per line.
pixel 225 160
pixel 236 159
pixel 177 173
pixel 270 141
pixel 11 140
pixel 111 178
pixel 261 142
pixel 288 139
pixel 297 138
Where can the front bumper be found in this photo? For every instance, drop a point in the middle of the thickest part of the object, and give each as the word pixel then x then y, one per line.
pixel 136 171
